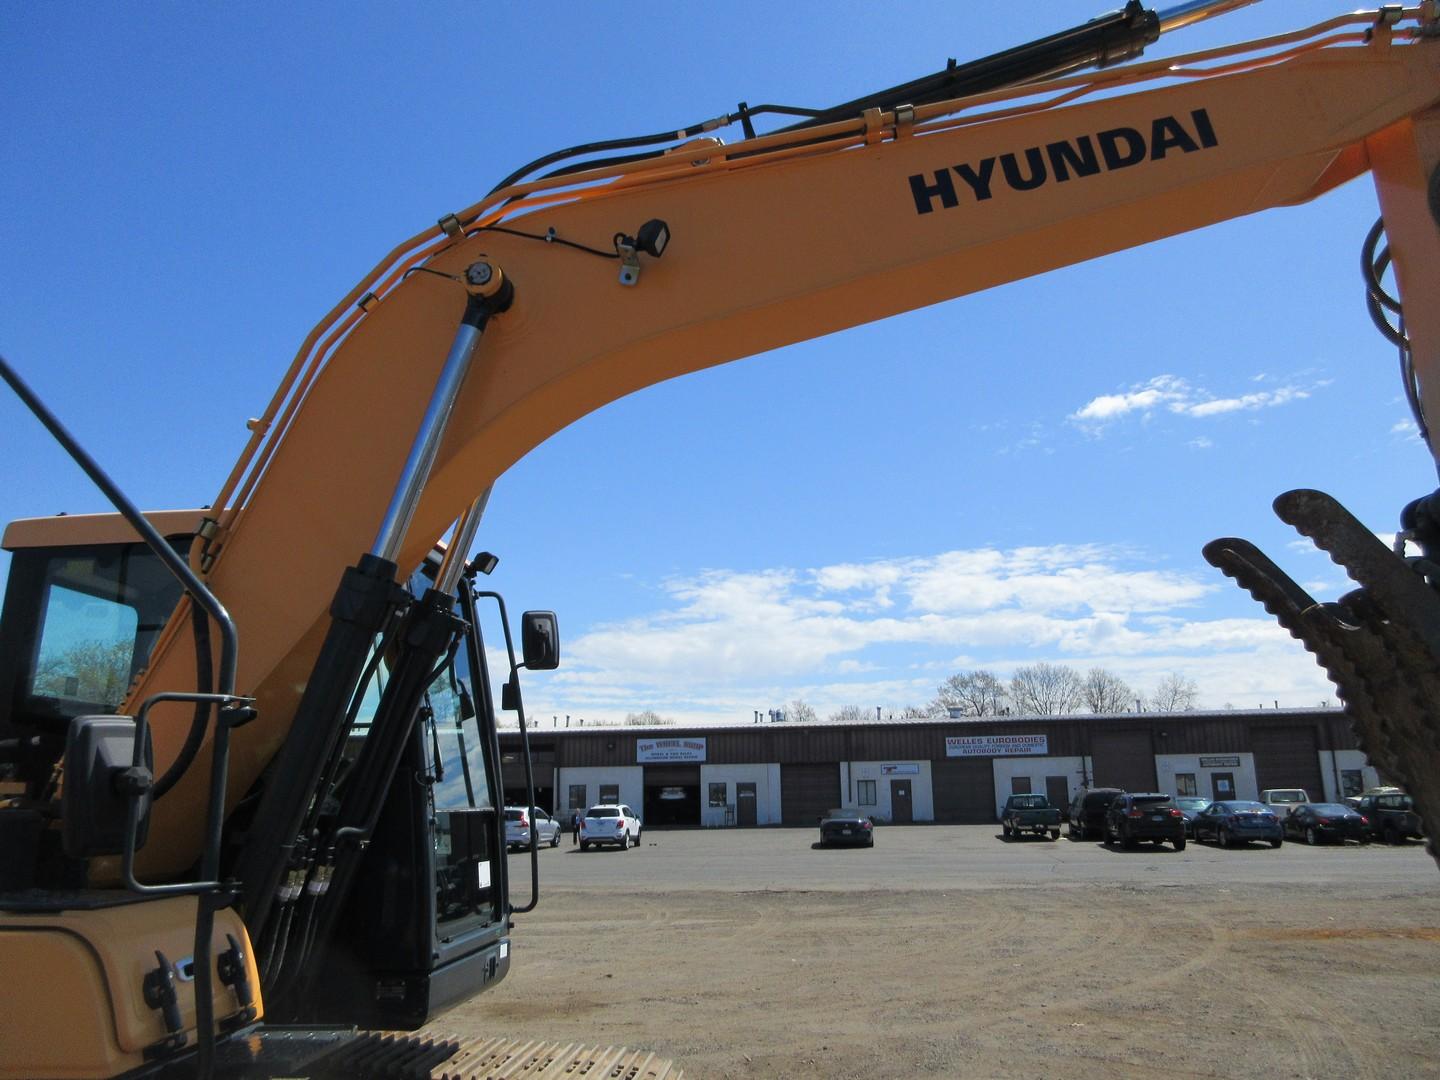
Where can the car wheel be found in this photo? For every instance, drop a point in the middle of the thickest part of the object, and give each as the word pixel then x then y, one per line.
pixel 1128 843
pixel 1276 843
pixel 1054 834
pixel 555 840
pixel 625 841
pixel 584 845
pixel 1310 836
pixel 1364 841
pixel 1392 836
pixel 1223 838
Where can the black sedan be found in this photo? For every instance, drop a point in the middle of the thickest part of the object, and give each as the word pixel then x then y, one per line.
pixel 1190 806
pixel 1319 823
pixel 847 827
pixel 1236 821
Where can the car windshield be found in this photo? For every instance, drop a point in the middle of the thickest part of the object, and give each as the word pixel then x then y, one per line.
pixel 1246 807
pixel 1395 802
pixel 1152 802
pixel 514 815
pixel 852 815
pixel 1029 802
pixel 1100 798
pixel 1330 808
pixel 603 811
pixel 1192 804
pixel 1287 796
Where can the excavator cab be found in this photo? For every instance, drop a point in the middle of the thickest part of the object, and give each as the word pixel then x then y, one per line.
pixel 84 603
pixel 424 922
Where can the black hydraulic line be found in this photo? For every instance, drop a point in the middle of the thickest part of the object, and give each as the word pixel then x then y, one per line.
pixel 203 677
pixel 1101 42
pixel 429 628
pixel 611 144
pixel 362 605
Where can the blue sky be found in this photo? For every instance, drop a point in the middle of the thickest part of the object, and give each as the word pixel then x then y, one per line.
pixel 1024 475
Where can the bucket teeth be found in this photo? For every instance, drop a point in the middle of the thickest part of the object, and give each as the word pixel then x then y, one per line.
pixel 1379 645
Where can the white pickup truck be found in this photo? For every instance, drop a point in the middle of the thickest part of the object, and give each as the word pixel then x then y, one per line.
pixel 1282 801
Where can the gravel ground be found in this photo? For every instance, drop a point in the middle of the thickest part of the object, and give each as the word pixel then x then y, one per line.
pixel 1039 959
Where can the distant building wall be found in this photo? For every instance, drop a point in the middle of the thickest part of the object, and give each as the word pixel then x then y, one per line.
pixel 765 777
pixel 881 773
pixel 1204 768
pixel 630 779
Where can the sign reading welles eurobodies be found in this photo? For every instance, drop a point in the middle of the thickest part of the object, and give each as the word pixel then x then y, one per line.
pixel 669 750
pixel 995 745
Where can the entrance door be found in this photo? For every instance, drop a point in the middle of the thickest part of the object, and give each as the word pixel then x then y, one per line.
pixel 1222 785
pixel 1057 790
pixel 901 811
pixel 744 804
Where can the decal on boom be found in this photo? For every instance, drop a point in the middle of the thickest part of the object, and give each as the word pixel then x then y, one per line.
pixel 1118 148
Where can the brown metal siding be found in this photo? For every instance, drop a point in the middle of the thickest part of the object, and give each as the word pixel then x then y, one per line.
pixel 1123 759
pixel 1286 757
pixel 964 790
pixel 807 791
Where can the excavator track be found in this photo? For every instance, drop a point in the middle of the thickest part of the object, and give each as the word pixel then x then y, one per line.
pixel 343 1054
pixel 401 1058
pixel 1379 645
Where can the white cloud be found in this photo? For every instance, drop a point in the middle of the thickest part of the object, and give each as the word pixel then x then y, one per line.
pixel 1162 389
pixel 1246 402
pixel 1177 396
pixel 1202 443
pixel 727 642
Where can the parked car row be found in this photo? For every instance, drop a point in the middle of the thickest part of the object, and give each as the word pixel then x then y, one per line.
pixel 1280 813
pixel 610 824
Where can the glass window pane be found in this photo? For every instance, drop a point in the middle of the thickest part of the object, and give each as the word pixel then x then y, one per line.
pixel 86 646
pixel 458 759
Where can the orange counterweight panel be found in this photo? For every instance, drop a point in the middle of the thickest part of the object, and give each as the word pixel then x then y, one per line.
pixel 82 1010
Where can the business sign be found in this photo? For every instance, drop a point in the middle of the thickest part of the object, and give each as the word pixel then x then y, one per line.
pixel 654 750
pixel 900 770
pixel 1225 761
pixel 996 745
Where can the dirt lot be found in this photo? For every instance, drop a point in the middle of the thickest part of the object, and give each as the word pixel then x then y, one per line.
pixel 1135 976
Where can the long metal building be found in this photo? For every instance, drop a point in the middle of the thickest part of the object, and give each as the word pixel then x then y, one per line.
pixel 953 770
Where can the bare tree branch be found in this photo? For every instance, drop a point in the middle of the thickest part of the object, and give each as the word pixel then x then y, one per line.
pixel 1046 689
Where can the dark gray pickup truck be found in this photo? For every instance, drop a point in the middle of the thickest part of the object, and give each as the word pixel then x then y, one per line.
pixel 1029 814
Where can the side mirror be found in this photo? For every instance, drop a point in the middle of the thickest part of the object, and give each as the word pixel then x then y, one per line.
pixel 510 696
pixel 540 640
pixel 99 774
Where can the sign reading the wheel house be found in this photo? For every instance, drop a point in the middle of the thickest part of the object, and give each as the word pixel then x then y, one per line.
pixel 996 745
pixel 651 750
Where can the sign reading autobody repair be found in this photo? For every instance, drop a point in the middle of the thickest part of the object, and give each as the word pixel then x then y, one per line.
pixel 669 750
pixel 995 745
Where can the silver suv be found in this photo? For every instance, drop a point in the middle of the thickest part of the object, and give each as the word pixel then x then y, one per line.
pixel 520 827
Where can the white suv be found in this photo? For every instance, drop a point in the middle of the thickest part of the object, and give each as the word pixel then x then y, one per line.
pixel 610 823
